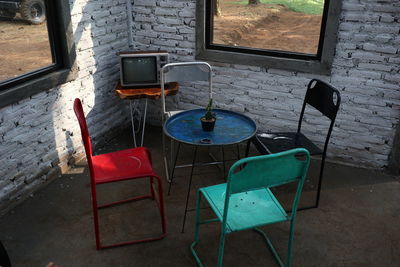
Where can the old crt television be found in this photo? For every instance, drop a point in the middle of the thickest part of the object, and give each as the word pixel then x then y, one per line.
pixel 141 69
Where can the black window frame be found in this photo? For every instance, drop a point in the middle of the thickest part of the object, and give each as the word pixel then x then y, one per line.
pixel 319 63
pixel 63 54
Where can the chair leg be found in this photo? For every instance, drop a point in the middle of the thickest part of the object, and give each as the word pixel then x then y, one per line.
pixel 290 244
pixel 160 201
pixel 96 219
pixel 319 186
pixel 270 246
pixel 161 205
pixel 221 248
pixel 197 228
pixel 96 228
pixel 197 225
pixel 166 165
pixel 321 173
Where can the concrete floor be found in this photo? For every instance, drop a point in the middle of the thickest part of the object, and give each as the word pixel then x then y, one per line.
pixel 357 223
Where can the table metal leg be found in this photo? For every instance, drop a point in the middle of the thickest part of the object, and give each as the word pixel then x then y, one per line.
pixel 144 121
pixel 173 168
pixel 171 152
pixel 135 112
pixel 168 163
pixel 133 123
pixel 223 162
pixel 247 149
pixel 188 191
pixel 214 158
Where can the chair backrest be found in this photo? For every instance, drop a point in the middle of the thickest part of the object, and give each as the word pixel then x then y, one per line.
pixel 324 98
pixel 185 72
pixel 80 115
pixel 268 171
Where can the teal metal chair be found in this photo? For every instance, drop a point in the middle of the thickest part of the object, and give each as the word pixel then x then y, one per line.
pixel 246 201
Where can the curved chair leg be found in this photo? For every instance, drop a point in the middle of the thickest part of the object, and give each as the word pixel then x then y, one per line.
pixel 270 246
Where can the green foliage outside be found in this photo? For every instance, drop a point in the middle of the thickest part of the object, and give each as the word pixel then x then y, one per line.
pixel 315 7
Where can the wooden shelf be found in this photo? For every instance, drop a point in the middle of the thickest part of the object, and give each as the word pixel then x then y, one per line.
pixel 150 92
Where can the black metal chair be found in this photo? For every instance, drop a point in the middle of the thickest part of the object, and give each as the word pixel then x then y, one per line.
pixel 4 259
pixel 325 99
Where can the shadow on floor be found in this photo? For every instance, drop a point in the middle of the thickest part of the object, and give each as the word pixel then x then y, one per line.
pixel 357 223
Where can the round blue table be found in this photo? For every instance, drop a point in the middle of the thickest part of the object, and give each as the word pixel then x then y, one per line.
pixel 230 128
pixel 185 127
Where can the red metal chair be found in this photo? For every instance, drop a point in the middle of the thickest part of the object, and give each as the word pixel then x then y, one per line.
pixel 119 166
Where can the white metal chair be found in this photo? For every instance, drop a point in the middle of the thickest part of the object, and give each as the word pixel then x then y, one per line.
pixel 181 72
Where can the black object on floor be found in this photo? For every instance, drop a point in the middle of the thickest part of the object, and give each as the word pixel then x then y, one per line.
pixel 4 259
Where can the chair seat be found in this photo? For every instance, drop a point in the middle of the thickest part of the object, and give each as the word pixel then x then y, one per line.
pixel 247 209
pixel 267 143
pixel 122 165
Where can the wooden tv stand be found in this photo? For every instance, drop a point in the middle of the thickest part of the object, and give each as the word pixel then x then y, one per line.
pixel 149 93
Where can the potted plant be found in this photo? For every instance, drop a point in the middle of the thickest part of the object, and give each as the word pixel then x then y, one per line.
pixel 208 120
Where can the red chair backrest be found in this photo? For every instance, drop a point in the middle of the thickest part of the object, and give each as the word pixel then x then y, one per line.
pixel 84 130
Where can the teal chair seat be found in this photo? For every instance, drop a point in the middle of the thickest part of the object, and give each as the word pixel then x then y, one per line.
pixel 245 207
pixel 246 201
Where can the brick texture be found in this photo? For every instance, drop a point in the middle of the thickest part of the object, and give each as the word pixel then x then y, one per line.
pixel 39 136
pixel 365 70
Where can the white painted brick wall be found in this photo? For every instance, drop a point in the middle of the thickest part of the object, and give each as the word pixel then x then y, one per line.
pixel 365 70
pixel 40 135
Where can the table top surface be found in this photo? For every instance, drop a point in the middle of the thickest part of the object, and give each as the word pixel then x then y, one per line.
pixel 149 92
pixel 230 128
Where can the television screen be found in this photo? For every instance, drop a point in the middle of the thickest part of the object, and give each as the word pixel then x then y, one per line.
pixel 139 70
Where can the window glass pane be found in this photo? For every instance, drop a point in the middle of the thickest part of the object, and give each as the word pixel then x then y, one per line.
pixel 283 25
pixel 24 40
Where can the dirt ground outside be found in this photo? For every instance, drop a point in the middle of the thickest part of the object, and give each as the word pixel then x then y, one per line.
pixel 266 26
pixel 23 48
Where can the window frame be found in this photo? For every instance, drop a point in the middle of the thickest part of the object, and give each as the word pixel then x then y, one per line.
pixel 63 54
pixel 320 63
